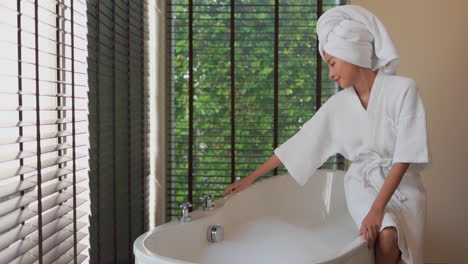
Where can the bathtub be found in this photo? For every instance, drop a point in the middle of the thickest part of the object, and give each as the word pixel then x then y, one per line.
pixel 319 204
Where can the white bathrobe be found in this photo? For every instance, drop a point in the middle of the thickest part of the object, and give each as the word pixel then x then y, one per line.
pixel 391 130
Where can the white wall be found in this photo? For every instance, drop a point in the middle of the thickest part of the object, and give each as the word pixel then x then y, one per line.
pixel 431 37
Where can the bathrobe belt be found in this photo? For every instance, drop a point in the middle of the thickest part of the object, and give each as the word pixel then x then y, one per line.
pixel 375 172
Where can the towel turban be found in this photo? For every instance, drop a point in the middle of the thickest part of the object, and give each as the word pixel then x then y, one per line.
pixel 353 34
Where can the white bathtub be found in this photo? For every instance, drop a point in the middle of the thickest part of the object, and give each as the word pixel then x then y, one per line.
pixel 319 204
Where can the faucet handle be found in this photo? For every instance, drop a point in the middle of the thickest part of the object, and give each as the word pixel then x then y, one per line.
pixel 207 196
pixel 185 205
pixel 185 212
pixel 208 203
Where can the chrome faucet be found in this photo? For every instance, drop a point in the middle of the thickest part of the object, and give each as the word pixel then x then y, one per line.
pixel 185 213
pixel 208 203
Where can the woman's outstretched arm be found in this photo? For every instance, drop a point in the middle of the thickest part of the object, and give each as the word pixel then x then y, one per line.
pixel 271 163
pixel 242 184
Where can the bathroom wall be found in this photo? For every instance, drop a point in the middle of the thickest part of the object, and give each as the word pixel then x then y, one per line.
pixel 431 37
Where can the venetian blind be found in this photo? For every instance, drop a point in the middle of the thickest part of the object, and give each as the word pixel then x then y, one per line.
pixel 244 75
pixel 118 125
pixel 44 206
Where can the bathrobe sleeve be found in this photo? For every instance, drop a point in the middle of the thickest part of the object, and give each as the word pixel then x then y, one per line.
pixel 303 153
pixel 412 145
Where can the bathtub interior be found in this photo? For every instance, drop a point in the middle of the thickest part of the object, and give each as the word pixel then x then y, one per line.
pixel 319 202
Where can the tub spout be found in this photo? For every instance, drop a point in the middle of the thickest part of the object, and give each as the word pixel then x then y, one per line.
pixel 215 233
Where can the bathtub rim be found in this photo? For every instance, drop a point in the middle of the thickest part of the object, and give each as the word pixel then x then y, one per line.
pixel 144 253
pixel 352 248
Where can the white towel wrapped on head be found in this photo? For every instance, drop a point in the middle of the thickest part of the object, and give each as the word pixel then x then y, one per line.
pixel 353 34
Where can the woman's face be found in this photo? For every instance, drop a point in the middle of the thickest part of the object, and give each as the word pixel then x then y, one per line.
pixel 341 71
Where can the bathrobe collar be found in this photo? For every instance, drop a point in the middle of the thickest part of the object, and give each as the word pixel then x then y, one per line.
pixel 374 90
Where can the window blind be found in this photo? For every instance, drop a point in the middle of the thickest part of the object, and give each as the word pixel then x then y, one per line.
pixel 244 76
pixel 44 206
pixel 119 166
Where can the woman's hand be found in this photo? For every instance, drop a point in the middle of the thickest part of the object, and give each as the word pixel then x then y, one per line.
pixel 371 225
pixel 239 185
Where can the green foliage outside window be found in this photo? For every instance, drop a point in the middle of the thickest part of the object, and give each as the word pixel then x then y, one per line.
pixel 254 88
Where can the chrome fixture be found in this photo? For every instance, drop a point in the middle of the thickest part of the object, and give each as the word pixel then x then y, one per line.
pixel 208 205
pixel 185 213
pixel 215 233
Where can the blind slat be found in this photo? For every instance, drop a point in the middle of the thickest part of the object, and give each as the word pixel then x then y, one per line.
pixel 42 123
pixel 4 157
pixel 16 171
pixel 25 108
pixel 24 230
pixel 30 182
pixel 68 256
pixel 59 240
pixel 26 250
pixel 45 94
pixel 55 250
pixel 23 200
pixel 80 259
pixel 17 217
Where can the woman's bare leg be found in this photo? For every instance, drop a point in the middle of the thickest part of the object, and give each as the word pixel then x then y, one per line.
pixel 386 247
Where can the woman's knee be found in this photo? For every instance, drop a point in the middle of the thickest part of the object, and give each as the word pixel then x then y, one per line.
pixel 387 240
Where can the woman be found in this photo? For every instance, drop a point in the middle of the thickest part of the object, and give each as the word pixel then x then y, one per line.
pixel 377 122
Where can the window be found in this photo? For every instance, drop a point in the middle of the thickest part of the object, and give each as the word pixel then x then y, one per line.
pixel 44 204
pixel 244 75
